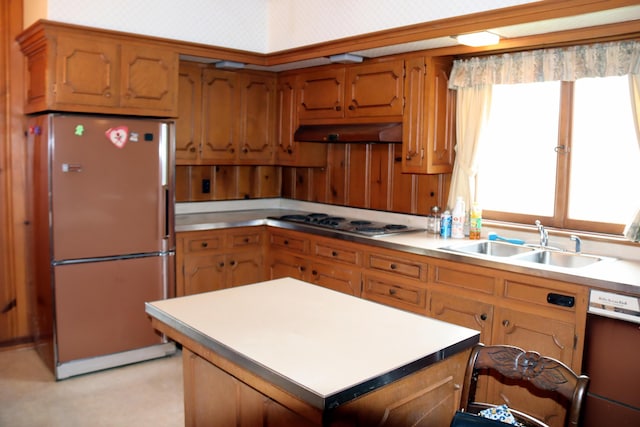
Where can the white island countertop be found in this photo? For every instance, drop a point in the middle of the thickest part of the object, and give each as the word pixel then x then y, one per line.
pixel 323 346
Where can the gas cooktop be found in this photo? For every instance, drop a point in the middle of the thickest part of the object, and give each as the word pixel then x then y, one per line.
pixel 349 225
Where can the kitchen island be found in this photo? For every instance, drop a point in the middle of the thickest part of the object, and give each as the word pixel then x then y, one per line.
pixel 285 352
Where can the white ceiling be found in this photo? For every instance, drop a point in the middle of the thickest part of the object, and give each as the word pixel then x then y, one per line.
pixel 611 16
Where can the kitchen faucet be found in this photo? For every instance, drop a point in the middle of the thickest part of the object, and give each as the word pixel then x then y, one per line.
pixel 544 236
pixel 578 242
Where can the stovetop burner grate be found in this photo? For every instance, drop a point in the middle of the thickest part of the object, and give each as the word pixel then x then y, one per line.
pixel 351 225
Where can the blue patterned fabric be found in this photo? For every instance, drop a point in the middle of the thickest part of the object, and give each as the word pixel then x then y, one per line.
pixel 500 413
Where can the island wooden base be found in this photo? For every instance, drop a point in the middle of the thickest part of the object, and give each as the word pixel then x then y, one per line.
pixel 214 396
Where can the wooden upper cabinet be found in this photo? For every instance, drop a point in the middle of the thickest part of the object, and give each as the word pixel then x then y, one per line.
pixel 321 94
pixel 352 93
pixel 220 115
pixel 289 152
pixel 70 69
pixel 429 117
pixel 225 117
pixel 375 90
pixel 258 116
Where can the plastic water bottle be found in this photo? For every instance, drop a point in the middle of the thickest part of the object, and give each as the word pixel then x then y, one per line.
pixel 458 219
pixel 445 224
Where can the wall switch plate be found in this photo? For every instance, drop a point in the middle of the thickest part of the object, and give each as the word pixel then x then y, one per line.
pixel 206 186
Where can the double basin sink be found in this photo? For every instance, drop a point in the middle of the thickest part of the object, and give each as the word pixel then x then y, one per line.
pixel 526 253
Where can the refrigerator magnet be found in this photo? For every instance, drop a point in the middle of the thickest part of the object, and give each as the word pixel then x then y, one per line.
pixel 79 130
pixel 118 135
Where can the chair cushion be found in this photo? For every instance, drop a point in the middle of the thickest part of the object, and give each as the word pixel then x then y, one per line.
pixel 500 413
pixel 465 419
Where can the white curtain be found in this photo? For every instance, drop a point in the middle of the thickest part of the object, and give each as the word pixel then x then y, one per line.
pixel 632 229
pixel 472 112
pixel 561 64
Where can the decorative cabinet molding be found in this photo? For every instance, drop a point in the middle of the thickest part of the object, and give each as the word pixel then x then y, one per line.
pixel 71 69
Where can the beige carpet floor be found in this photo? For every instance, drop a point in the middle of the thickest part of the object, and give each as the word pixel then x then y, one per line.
pixel 142 394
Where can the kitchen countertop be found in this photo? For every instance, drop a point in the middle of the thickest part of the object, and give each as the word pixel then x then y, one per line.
pixel 252 326
pixel 616 275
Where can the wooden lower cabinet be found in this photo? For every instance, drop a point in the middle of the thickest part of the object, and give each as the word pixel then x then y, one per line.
pixel 512 309
pixel 213 396
pixel 217 259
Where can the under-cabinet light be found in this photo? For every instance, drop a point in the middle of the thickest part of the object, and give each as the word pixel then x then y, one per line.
pixel 231 65
pixel 345 58
pixel 483 38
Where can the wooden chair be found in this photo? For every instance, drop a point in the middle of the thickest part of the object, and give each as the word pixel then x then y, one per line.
pixel 542 372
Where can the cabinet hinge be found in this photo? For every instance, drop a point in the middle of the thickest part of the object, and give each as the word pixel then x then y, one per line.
pixel 575 342
pixel 422 153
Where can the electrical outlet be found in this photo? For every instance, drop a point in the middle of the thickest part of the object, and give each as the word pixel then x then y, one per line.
pixel 206 186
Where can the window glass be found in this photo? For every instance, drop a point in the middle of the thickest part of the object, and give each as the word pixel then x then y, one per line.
pixel 516 157
pixel 605 157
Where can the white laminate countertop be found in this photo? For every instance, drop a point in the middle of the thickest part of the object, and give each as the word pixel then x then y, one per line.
pixel 323 346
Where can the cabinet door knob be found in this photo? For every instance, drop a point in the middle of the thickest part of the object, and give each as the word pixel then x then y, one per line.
pixel 505 323
pixel 334 253
pixel 302 268
pixel 221 264
pixel 246 240
pixel 392 291
pixel 192 149
pixel 107 94
pixel 338 108
pixel 483 316
pixel 314 272
pixel 232 263
pixel 205 244
pixel 289 151
pixel 352 107
pixel 393 266
pixel 286 242
pixel 245 150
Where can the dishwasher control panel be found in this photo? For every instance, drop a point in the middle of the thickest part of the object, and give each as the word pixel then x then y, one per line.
pixel 614 305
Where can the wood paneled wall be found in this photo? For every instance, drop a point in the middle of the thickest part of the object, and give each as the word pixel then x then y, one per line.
pixel 356 175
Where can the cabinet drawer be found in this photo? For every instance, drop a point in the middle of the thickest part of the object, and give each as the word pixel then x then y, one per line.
pixel 204 244
pixel 551 297
pixel 334 253
pixel 241 240
pixel 292 243
pixel 407 268
pixel 399 295
pixel 465 279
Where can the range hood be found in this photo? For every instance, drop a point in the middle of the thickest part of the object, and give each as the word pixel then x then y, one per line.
pixel 366 132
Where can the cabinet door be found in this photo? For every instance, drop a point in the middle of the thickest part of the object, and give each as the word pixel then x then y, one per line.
pixel 189 113
pixel 243 268
pixel 321 94
pixel 463 312
pixel 258 115
pixel 204 273
pixel 86 72
pixel 538 333
pixel 220 112
pixel 375 90
pixel 337 277
pixel 428 132
pixel 289 152
pixel 285 265
pixel 149 79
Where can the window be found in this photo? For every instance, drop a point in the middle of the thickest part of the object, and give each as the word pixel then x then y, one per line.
pixel 562 152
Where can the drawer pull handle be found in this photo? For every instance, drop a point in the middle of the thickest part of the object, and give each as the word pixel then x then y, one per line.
pixel 205 244
pixel 221 264
pixel 314 272
pixel 302 269
pixel 392 291
pixel 246 240
pixel 232 263
pixel 334 253
pixel 393 266
pixel 286 242
pixel 561 300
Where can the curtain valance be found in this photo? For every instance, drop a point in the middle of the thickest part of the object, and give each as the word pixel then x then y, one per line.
pixel 566 64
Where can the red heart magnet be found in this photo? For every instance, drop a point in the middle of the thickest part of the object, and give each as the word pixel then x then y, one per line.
pixel 118 135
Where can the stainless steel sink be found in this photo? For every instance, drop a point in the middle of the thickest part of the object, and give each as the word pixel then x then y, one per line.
pixel 560 259
pixel 491 248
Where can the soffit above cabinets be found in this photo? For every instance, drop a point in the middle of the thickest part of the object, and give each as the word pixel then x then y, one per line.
pixel 628 14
